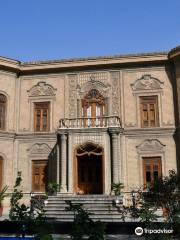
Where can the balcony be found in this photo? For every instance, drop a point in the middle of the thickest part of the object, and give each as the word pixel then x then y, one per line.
pixel 87 122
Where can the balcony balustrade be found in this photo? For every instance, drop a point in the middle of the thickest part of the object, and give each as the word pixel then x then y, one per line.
pixel 90 122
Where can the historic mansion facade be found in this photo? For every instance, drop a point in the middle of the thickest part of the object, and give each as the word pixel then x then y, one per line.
pixel 88 123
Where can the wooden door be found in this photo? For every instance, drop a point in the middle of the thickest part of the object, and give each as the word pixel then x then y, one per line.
pixel 152 170
pixel 39 175
pixel 90 174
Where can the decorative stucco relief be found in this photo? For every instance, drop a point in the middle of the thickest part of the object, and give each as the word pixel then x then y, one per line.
pixel 147 82
pixel 93 84
pixel 42 89
pixel 115 93
pixel 95 76
pixel 40 149
pixel 81 139
pixel 72 95
pixel 150 145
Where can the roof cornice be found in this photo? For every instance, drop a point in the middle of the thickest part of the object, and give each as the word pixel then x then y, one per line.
pixel 67 64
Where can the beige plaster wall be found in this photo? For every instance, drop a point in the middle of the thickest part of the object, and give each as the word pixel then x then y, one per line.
pixel 8 87
pixel 26 106
pixel 7 153
pixel 166 107
pixel 132 162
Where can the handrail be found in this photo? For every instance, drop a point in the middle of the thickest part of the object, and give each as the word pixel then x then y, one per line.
pixel 90 122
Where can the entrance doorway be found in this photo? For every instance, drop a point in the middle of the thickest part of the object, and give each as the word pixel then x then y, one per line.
pixel 39 175
pixel 89 169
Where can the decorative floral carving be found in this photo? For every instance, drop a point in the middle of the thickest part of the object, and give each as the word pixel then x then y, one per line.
pixel 39 149
pixel 150 145
pixel 146 82
pixel 115 93
pixel 93 84
pixel 42 89
pixel 72 95
pixel 95 76
pixel 89 148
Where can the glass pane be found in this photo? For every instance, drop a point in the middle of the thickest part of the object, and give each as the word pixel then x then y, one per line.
pixel 148 177
pixel 2 116
pixel 44 120
pixel 38 120
pixel 148 168
pixel 155 167
pixel 156 175
pixel 89 112
pixel 98 111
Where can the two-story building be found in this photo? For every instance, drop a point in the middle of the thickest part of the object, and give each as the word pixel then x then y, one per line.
pixel 88 123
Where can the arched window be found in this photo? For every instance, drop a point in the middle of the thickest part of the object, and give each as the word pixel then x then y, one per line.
pixel 93 106
pixel 3 103
pixel 1 171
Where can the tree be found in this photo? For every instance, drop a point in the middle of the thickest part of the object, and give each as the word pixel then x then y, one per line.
pixel 31 218
pixel 83 224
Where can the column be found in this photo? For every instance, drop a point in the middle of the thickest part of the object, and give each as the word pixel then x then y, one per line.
pixel 63 167
pixel 115 154
pixel 58 165
pixel 70 164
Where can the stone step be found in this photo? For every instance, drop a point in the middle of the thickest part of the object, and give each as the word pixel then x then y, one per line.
pixel 88 209
pixel 83 200
pixel 101 207
pixel 94 211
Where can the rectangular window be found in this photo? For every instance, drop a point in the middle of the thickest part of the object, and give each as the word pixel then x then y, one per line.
pixel 39 175
pixel 149 111
pixel 2 115
pixel 152 170
pixel 41 116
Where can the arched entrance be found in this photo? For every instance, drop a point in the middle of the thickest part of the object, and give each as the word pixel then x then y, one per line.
pixel 89 169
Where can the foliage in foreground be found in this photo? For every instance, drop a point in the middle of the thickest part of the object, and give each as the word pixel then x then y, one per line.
pixel 83 225
pixel 31 217
pixel 165 195
pixel 3 194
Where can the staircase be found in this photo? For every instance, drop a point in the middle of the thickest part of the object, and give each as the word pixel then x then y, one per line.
pixel 101 207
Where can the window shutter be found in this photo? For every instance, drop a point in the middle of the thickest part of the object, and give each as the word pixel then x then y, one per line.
pixel 149 111
pixel 41 117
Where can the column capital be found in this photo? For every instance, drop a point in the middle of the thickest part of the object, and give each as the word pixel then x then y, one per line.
pixel 114 130
pixel 63 136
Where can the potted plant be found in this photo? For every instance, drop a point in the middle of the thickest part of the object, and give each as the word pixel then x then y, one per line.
pixel 2 196
pixel 53 188
pixel 116 188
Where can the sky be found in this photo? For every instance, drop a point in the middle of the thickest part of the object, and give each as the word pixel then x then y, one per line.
pixel 32 30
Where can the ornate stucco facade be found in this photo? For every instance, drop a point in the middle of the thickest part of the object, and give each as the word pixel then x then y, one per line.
pixel 123 142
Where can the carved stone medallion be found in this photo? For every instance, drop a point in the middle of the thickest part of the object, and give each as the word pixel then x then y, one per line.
pixel 41 89
pixel 146 82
